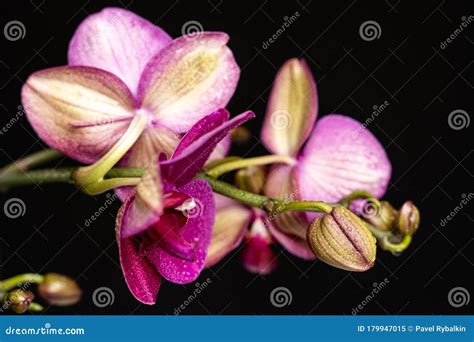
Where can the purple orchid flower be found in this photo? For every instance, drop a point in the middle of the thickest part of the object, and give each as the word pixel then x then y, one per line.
pixel 164 227
pixel 121 66
pixel 340 156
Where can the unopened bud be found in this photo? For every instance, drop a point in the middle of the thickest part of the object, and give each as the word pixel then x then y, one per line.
pixel 240 135
pixel 408 218
pixel 59 290
pixel 251 179
pixel 341 239
pixel 382 217
pixel 19 300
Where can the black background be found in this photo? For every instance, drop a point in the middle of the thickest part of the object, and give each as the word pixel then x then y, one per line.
pixel 432 163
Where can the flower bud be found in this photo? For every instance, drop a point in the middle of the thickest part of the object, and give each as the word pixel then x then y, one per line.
pixel 19 300
pixel 59 290
pixel 251 179
pixel 408 218
pixel 382 217
pixel 240 135
pixel 341 239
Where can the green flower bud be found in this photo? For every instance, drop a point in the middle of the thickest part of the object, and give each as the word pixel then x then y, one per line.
pixel 382 217
pixel 341 239
pixel 251 179
pixel 18 300
pixel 59 290
pixel 408 218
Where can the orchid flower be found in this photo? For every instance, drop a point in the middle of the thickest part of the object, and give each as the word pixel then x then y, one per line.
pixel 128 87
pixel 340 157
pixel 164 227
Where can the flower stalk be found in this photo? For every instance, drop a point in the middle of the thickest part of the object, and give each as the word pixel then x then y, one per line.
pixel 90 178
pixel 241 163
pixel 66 175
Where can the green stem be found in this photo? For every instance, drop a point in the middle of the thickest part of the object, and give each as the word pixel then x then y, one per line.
pixel 117 176
pixel 232 165
pixel 384 236
pixel 272 205
pixel 30 161
pixel 60 175
pixel 360 194
pixel 90 178
pixel 396 247
pixel 10 283
pixel 65 175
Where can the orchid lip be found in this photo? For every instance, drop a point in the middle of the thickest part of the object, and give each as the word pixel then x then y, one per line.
pixel 166 233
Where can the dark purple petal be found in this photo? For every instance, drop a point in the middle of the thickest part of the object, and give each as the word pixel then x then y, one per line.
pixel 200 128
pixel 257 254
pixel 198 230
pixel 141 276
pixel 190 161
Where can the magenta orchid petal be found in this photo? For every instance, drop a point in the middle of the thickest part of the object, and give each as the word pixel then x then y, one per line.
pixel 200 128
pixel 140 275
pixel 257 254
pixel 190 161
pixel 198 230
pixel 118 41
pixel 188 79
pixel 166 233
pixel 79 111
pixel 340 157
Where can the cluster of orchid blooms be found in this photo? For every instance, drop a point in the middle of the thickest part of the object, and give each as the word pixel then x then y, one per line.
pixel 145 113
